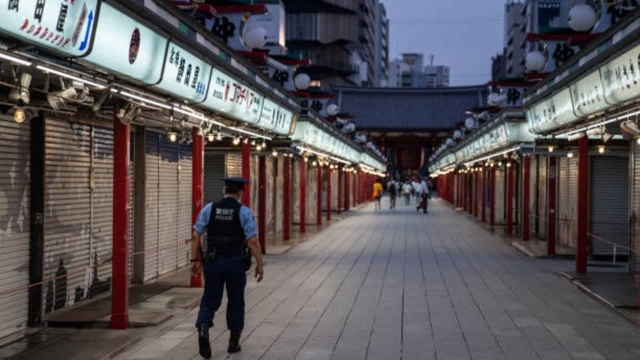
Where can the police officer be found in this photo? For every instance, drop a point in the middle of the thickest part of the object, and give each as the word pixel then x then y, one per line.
pixel 228 225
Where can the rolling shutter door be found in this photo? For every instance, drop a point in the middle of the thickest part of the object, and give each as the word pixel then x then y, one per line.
pixel 152 221
pixel 543 183
pixel 334 189
pixel 610 187
pixel 185 202
pixel 567 201
pixel 214 173
pixel 79 211
pixel 15 197
pixel 254 188
pixel 295 182
pixel 312 197
pixel 533 199
pixel 270 195
pixel 635 209
pixel 278 194
pixel 499 196
pixel 168 252
pixel 234 164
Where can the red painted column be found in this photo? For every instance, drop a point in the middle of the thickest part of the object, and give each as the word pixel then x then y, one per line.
pixel 492 200
pixel 319 197
pixel 347 189
pixel 246 173
pixel 583 205
pixel 120 244
pixel 303 195
pixel 340 179
pixel 262 202
pixel 551 204
pixel 286 211
pixel 483 195
pixel 526 196
pixel 477 191
pixel 197 190
pixel 510 189
pixel 329 193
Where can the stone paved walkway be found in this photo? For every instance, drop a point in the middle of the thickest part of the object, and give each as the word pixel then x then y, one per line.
pixel 405 285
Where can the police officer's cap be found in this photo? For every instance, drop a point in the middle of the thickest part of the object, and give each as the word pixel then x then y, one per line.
pixel 235 181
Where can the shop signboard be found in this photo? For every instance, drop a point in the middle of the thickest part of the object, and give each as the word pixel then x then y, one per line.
pixel 621 77
pixel 185 75
pixel 275 118
pixel 551 113
pixel 65 26
pixel 126 47
pixel 234 98
pixel 310 134
pixel 587 95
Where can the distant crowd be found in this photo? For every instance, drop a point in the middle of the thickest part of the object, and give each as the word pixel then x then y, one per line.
pixel 418 188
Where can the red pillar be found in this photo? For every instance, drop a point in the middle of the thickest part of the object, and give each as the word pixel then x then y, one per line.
pixel 197 190
pixel 476 175
pixel 526 196
pixel 319 197
pixel 492 199
pixel 286 199
pixel 551 204
pixel 303 195
pixel 262 202
pixel 510 189
pixel 483 195
pixel 347 189
pixel 120 244
pixel 246 173
pixel 583 194
pixel 329 193
pixel 340 179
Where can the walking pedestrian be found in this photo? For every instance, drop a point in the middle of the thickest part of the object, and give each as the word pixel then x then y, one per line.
pixel 426 194
pixel 377 193
pixel 407 189
pixel 231 234
pixel 417 188
pixel 392 189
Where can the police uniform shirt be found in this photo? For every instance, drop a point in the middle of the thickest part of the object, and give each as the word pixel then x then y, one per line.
pixel 246 221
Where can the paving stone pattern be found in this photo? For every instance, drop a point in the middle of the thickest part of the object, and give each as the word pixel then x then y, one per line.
pixel 404 285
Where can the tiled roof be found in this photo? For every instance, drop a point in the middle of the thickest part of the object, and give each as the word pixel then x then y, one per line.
pixel 410 109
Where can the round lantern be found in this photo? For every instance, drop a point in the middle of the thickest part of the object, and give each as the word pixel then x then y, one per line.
pixel 301 81
pixel 457 134
pixel 470 123
pixel 535 61
pixel 582 17
pixel 255 37
pixel 449 142
pixel 332 110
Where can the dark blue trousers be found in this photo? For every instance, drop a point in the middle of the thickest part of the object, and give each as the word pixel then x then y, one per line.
pixel 221 271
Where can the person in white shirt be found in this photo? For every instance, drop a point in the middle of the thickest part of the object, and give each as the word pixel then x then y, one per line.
pixel 417 189
pixel 407 189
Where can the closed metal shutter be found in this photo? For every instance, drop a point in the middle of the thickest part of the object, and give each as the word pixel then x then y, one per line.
pixel 185 202
pixel 214 173
pixel 533 199
pixel 15 197
pixel 169 158
pixel 295 183
pixel 254 182
pixel 234 164
pixel 499 196
pixel 610 189
pixel 312 194
pixel 543 183
pixel 152 211
pixel 635 209
pixel 334 190
pixel 567 201
pixel 278 193
pixel 79 211
pixel 270 195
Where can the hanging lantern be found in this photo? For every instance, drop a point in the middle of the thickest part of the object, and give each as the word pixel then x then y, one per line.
pixel 535 61
pixel 470 123
pixel 582 17
pixel 332 110
pixel 449 142
pixel 457 134
pixel 302 81
pixel 255 37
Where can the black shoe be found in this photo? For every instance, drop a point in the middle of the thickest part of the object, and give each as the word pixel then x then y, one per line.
pixel 234 342
pixel 203 341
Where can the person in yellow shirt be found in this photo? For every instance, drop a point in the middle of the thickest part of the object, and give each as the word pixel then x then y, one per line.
pixel 377 193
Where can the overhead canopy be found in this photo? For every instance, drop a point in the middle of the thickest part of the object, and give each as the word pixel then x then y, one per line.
pixel 410 109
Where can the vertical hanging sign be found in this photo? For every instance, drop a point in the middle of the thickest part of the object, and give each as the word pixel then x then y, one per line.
pixel 65 26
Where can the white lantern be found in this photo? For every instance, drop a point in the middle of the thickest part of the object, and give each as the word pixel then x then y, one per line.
pixel 470 123
pixel 255 37
pixel 332 110
pixel 301 81
pixel 495 99
pixel 457 134
pixel 535 61
pixel 582 17
pixel 449 142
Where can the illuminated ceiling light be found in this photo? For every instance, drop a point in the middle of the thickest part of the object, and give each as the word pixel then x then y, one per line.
pixel 19 116
pixel 219 136
pixel 576 136
pixel 264 144
pixel 72 77
pixel 172 135
pixel 509 164
pixel 245 141
pixel 601 149
pixel 551 148
pixel 236 141
pixel 274 153
pixel 15 59
pixel 259 147
pixel 569 154
pixel 253 143
pixel 211 137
